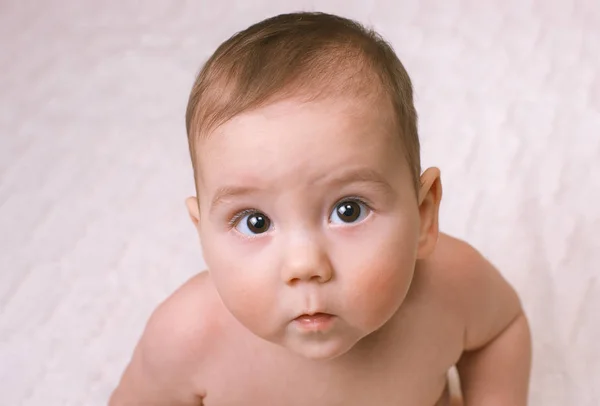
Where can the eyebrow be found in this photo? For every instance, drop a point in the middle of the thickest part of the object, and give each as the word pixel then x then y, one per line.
pixel 353 175
pixel 227 192
pixel 358 175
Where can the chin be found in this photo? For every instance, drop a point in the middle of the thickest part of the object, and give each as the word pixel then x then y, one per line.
pixel 326 349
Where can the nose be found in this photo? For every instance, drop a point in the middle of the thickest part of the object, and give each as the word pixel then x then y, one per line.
pixel 306 261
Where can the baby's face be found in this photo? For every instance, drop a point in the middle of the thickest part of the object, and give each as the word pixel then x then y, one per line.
pixel 309 222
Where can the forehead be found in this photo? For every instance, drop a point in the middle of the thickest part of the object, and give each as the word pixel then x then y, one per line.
pixel 299 140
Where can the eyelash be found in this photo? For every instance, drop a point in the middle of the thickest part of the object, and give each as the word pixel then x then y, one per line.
pixel 355 199
pixel 241 214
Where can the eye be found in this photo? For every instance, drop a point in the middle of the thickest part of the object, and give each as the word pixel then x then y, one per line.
pixel 253 223
pixel 349 211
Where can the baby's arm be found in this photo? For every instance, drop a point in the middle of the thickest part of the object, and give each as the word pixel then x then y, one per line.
pixel 165 360
pixel 494 369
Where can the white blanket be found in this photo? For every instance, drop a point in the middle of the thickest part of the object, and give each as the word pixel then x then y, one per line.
pixel 94 170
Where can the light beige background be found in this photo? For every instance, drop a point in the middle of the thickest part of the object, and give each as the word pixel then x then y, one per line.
pixel 94 169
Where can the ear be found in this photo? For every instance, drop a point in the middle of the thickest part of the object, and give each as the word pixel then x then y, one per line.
pixel 430 195
pixel 193 210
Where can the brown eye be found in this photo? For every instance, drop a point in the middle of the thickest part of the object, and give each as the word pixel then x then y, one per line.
pixel 349 211
pixel 258 223
pixel 254 223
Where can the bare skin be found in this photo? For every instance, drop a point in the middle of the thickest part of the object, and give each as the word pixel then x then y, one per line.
pixel 212 360
pixel 404 303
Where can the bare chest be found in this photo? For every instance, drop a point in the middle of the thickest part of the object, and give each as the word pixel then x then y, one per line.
pixel 405 363
pixel 285 386
pixel 409 370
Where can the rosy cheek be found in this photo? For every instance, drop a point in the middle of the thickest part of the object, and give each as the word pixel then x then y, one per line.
pixel 379 283
pixel 243 286
pixel 248 303
pixel 382 288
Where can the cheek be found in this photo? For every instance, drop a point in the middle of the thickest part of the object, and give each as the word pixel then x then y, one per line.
pixel 378 276
pixel 379 289
pixel 243 284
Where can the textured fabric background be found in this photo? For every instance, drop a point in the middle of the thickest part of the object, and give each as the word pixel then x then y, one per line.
pixel 94 169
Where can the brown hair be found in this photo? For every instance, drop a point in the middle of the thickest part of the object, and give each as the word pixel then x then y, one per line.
pixel 301 54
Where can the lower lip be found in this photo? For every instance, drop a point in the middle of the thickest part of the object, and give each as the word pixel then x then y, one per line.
pixel 315 322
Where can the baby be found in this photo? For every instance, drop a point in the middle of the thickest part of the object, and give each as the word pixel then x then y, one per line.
pixel 328 282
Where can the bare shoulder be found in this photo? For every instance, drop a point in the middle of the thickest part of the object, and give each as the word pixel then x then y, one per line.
pixel 167 363
pixel 456 257
pixel 474 288
pixel 183 326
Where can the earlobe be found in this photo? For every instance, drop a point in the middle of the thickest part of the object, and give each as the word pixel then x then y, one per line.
pixel 430 196
pixel 193 210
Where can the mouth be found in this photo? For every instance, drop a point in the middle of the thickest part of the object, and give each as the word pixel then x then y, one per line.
pixel 314 321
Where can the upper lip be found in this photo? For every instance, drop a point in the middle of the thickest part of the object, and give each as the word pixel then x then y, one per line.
pixel 312 313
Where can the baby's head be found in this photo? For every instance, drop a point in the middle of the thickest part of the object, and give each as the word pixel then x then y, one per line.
pixel 303 137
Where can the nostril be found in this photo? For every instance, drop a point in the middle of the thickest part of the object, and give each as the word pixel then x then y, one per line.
pixel 312 278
